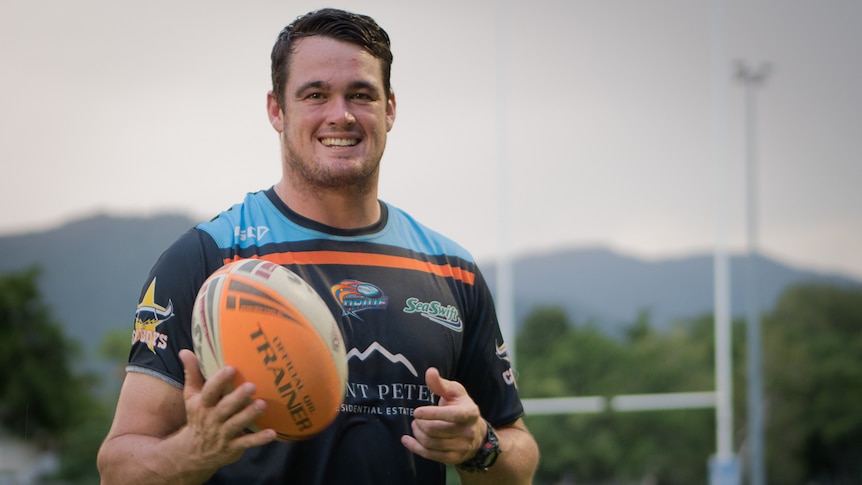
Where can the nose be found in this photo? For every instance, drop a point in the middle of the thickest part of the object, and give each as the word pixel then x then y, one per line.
pixel 339 113
pixel 349 119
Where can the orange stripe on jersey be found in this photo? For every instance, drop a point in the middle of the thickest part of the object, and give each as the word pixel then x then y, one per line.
pixel 368 259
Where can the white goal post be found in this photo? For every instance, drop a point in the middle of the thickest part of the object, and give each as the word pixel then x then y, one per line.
pixel 621 403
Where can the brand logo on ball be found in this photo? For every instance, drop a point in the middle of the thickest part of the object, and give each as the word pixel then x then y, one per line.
pixel 285 378
pixel 356 296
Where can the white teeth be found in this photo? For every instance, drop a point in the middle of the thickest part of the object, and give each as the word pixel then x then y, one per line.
pixel 339 142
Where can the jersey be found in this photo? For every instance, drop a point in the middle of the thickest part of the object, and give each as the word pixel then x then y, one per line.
pixel 406 299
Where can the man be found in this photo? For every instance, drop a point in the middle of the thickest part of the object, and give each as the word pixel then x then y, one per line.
pixel 429 379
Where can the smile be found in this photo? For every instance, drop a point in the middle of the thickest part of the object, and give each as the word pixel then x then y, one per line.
pixel 339 142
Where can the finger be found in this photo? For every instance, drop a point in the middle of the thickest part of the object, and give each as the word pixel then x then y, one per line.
pixel 457 412
pixel 444 388
pixel 413 445
pixel 440 455
pixel 435 435
pixel 217 386
pixel 234 402
pixel 258 438
pixel 437 428
pixel 243 418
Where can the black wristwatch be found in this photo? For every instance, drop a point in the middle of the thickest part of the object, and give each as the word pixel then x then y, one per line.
pixel 486 456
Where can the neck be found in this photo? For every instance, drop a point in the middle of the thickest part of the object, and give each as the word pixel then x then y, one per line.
pixel 350 208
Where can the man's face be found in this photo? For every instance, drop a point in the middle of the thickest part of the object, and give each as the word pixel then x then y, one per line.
pixel 335 117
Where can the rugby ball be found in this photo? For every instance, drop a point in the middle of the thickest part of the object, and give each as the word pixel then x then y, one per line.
pixel 277 332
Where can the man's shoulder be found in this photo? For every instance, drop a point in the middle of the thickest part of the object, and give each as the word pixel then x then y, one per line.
pixel 243 220
pixel 423 238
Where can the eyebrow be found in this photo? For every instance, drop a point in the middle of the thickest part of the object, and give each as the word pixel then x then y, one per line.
pixel 355 85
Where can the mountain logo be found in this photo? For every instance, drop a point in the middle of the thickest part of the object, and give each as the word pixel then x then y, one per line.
pixel 375 347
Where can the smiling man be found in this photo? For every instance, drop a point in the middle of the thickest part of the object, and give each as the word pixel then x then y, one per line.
pixel 430 382
pixel 333 117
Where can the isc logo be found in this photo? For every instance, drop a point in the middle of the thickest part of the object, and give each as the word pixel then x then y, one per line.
pixel 250 232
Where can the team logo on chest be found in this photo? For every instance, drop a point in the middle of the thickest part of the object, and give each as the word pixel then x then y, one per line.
pixel 355 296
pixel 446 315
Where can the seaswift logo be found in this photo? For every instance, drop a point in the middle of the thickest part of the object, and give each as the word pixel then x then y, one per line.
pixel 446 315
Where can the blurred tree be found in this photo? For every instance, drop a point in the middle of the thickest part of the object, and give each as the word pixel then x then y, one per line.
pixel 813 385
pixel 43 399
pixel 813 377
pixel 39 393
pixel 556 359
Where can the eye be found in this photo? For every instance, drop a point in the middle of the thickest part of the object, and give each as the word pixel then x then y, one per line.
pixel 362 97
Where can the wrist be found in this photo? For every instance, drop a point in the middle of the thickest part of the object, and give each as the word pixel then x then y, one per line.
pixel 486 455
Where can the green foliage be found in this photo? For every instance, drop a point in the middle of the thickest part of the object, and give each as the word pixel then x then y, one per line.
pixel 43 399
pixel 556 358
pixel 813 385
pixel 812 352
pixel 80 445
pixel 37 381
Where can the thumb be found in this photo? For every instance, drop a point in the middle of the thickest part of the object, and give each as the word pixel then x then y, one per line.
pixel 193 377
pixel 446 389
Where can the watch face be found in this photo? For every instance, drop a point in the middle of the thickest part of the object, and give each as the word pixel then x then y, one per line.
pixel 491 448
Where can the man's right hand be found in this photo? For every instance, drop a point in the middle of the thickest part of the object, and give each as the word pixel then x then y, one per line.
pixel 217 416
pixel 162 434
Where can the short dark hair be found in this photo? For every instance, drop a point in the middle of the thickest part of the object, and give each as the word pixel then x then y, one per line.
pixel 336 24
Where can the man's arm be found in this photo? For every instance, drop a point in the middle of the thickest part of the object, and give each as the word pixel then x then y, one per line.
pixel 161 434
pixel 453 431
pixel 517 462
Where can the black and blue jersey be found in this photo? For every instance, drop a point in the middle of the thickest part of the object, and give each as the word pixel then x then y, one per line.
pixel 406 298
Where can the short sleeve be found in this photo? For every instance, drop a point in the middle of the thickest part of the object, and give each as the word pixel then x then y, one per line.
pixel 162 324
pixel 485 368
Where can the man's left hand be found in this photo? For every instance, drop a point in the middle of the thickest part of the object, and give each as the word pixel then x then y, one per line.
pixel 450 432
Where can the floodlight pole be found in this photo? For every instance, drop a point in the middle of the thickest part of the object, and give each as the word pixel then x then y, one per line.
pixel 752 79
pixel 723 465
pixel 505 294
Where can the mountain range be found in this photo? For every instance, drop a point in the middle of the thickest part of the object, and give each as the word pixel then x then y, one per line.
pixel 611 289
pixel 93 270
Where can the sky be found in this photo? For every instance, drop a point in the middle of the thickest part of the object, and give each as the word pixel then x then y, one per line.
pixel 521 127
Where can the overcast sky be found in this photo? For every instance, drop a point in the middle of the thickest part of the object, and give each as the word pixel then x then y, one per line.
pixel 603 110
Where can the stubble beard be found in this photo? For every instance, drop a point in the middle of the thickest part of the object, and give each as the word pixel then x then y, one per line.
pixel 315 179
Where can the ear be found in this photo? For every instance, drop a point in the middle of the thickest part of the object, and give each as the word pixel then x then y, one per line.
pixel 390 111
pixel 273 110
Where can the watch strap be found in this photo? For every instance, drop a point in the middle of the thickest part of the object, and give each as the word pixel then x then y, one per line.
pixel 486 455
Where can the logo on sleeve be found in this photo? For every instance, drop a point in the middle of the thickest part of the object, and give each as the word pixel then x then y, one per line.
pixel 148 317
pixel 508 374
pixel 446 315
pixel 355 296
